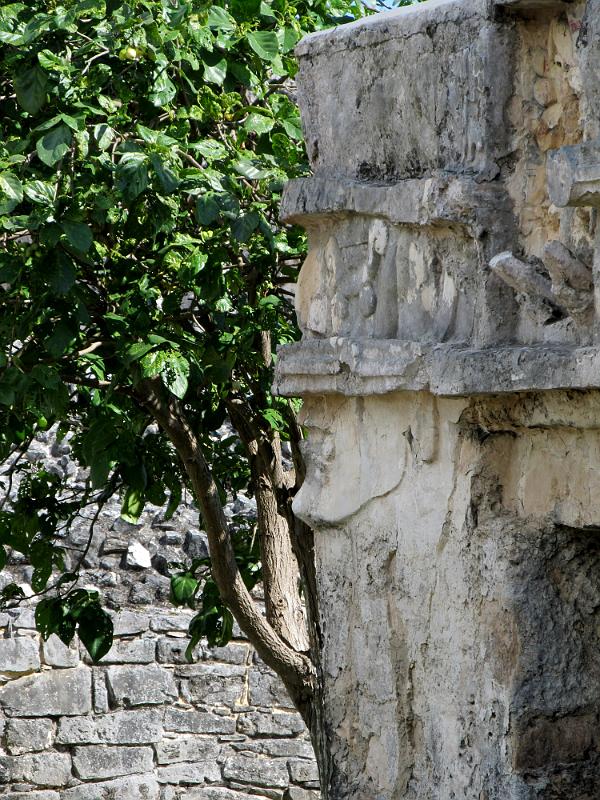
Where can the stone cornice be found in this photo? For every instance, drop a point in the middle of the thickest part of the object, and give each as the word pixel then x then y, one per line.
pixel 354 367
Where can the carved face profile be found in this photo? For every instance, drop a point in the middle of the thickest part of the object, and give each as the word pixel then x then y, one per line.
pixel 352 456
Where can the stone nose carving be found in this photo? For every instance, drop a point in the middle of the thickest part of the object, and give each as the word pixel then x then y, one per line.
pixel 561 286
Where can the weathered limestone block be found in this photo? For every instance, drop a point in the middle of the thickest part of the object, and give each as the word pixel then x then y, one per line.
pixel 276 723
pixel 450 372
pixel 213 684
pixel 143 726
pixel 19 655
pixel 137 685
pixel 133 788
pixel 180 721
pixel 57 654
pixel 40 769
pixel 95 762
pixel 28 735
pixel 64 693
pixel 45 795
pixel 186 748
pixel 248 769
pixel 189 773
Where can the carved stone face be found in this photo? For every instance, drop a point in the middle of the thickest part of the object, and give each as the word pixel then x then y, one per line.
pixel 352 455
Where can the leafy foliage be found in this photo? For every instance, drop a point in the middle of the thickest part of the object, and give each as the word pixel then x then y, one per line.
pixel 143 148
pixel 214 620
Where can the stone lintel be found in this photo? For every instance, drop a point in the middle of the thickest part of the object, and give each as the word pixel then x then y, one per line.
pixel 574 175
pixel 441 199
pixel 374 367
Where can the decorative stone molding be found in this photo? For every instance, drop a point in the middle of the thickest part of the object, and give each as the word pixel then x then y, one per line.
pixel 450 368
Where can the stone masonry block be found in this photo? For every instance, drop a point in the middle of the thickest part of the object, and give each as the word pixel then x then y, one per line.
pixel 198 722
pixel 214 684
pixel 57 654
pixel 257 723
pixel 20 654
pixel 137 651
pixel 130 623
pixel 186 748
pixel 97 762
pixel 142 726
pixel 250 770
pixel 40 769
pixel 28 735
pixel 303 771
pixel 136 787
pixel 266 689
pixel 189 773
pixel 136 685
pixel 59 693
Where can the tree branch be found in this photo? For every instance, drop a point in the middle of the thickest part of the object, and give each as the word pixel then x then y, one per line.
pixel 294 668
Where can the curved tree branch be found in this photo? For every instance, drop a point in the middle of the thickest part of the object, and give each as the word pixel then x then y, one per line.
pixel 294 668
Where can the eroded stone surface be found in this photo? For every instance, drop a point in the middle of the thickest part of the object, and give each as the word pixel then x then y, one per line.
pixel 450 371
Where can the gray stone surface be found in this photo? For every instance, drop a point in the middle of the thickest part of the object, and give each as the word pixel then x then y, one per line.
pixel 28 735
pixel 57 654
pixel 180 721
pixel 130 788
pixel 450 373
pixel 142 726
pixel 40 769
pixel 248 769
pixel 68 693
pixel 186 748
pixel 134 686
pixel 95 762
pixel 21 654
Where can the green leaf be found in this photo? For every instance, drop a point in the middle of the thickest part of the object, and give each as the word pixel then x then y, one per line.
pixel 249 170
pixel 244 226
pixel 210 149
pixel 95 629
pixel 175 373
pixel 133 505
pixel 165 175
pixel 30 86
pixel 61 274
pixel 183 589
pixel 49 60
pixel 40 193
pixel 293 128
pixel 258 123
pixel 41 576
pixel 79 235
pixel 137 351
pixel 216 73
pixel 207 208
pixel 11 192
pixel 54 145
pixel 219 19
pixel 163 91
pixel 104 135
pixel 288 38
pixel 48 615
pixel 132 175
pixel 264 44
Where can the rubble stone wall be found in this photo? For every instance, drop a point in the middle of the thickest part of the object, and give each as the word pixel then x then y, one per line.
pixel 144 724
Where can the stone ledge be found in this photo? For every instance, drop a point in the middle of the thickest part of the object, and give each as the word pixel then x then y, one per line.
pixel 441 198
pixel 355 367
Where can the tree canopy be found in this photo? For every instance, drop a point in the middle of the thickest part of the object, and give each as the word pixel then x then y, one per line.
pixel 144 279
